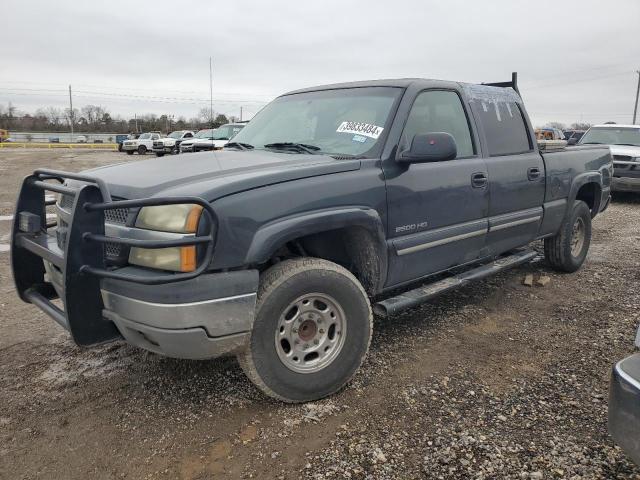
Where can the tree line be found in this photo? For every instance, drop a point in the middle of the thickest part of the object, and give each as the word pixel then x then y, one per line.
pixel 97 119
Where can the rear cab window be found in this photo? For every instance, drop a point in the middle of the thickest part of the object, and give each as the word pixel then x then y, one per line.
pixel 498 112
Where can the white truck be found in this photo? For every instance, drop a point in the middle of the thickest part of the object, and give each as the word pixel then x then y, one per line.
pixel 215 139
pixel 171 143
pixel 142 144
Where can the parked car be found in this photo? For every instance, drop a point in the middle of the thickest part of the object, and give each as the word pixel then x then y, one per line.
pixel 206 134
pixel 624 142
pixel 547 133
pixel 332 202
pixel 4 135
pixel 120 138
pixel 81 139
pixel 624 404
pixel 219 137
pixel 573 136
pixel 54 139
pixel 171 143
pixel 142 144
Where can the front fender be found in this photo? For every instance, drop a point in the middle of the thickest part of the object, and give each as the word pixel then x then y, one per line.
pixel 270 237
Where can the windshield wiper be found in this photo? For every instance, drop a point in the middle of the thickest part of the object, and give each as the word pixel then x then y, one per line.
pixel 627 144
pixel 300 147
pixel 240 145
pixel 591 143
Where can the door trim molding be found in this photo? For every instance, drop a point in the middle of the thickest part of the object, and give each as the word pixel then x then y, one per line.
pixel 442 241
pixel 515 223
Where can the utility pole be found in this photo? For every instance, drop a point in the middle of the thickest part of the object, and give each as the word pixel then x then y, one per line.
pixel 135 116
pixel 240 113
pixel 71 113
pixel 211 91
pixel 635 109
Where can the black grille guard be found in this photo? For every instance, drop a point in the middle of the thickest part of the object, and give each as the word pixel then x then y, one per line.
pixel 82 264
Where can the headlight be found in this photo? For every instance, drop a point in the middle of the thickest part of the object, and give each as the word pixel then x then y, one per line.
pixel 183 218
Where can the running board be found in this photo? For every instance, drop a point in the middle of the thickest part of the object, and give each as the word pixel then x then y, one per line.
pixel 420 295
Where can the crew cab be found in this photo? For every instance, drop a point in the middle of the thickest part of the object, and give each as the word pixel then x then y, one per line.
pixel 171 143
pixel 333 202
pixel 142 144
pixel 624 142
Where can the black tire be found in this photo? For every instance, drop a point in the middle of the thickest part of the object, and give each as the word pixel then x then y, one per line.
pixel 283 284
pixel 119 147
pixel 175 150
pixel 563 251
pixel 129 152
pixel 159 154
pixel 142 150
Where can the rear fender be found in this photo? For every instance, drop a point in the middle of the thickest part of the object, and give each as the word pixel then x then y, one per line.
pixel 578 182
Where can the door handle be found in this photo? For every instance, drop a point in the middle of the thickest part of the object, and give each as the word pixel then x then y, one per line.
pixel 533 173
pixel 479 180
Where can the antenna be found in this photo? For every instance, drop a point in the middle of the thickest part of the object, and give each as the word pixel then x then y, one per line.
pixel 211 91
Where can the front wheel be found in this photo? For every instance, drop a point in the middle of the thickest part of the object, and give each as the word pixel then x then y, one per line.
pixel 142 150
pixel 159 154
pixel 311 333
pixel 567 250
pixel 129 152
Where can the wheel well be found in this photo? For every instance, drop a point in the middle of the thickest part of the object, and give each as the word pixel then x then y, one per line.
pixel 355 248
pixel 589 193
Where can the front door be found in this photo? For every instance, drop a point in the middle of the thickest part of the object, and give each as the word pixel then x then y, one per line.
pixel 437 211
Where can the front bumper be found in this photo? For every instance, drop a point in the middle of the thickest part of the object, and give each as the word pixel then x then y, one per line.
pixel 625 184
pixel 195 314
pixel 128 148
pixel 206 317
pixel 164 149
pixel 624 405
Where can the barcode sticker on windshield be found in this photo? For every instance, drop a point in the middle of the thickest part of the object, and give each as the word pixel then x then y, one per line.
pixel 360 128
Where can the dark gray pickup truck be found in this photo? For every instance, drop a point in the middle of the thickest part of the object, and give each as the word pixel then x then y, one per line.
pixel 331 202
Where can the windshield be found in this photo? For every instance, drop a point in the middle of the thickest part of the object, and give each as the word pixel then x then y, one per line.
pixel 612 136
pixel 227 132
pixel 205 133
pixel 176 134
pixel 145 136
pixel 345 121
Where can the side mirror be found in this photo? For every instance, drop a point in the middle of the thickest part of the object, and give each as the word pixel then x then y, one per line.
pixel 430 147
pixel 572 141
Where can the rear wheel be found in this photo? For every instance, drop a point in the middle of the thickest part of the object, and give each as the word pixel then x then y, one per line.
pixel 129 152
pixel 159 154
pixel 567 250
pixel 311 332
pixel 142 150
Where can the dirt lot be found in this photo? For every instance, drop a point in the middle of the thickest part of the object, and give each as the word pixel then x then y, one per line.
pixel 497 380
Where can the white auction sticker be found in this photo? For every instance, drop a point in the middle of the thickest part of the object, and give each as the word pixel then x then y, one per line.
pixel 360 128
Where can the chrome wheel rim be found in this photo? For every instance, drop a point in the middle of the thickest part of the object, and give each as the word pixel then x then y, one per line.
pixel 310 333
pixel 577 237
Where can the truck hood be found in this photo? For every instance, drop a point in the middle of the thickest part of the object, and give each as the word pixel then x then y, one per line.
pixel 631 151
pixel 214 174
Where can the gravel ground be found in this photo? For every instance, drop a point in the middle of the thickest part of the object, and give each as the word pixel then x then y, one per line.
pixel 497 380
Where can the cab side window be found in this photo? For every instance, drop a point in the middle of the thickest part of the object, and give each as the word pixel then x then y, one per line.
pixel 505 129
pixel 439 111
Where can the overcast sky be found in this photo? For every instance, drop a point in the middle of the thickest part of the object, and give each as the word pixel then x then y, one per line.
pixel 576 58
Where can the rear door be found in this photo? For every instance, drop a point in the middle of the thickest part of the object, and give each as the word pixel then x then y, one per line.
pixel 516 168
pixel 436 211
